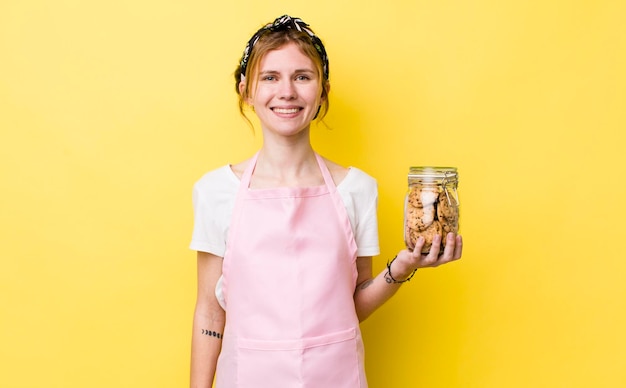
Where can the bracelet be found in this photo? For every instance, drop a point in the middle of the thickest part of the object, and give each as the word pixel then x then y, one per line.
pixel 389 278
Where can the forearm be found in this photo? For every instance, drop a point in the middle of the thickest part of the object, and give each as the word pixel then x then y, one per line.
pixel 370 293
pixel 373 293
pixel 206 343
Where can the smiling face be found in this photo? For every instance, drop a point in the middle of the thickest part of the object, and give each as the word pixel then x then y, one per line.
pixel 286 91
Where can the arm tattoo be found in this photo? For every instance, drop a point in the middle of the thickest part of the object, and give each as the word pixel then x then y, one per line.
pixel 366 284
pixel 212 333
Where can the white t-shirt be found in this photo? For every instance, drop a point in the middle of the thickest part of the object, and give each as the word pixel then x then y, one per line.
pixel 214 198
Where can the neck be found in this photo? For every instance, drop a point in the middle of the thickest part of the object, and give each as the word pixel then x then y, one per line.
pixel 286 160
pixel 286 165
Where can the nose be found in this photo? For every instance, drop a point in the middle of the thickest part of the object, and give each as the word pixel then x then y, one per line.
pixel 287 90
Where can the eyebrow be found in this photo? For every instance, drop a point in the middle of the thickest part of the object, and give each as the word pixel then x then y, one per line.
pixel 296 71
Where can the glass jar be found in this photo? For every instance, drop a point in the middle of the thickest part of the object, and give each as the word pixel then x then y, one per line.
pixel 431 205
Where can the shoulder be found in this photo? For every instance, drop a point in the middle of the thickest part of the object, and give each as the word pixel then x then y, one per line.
pixel 360 189
pixel 350 176
pixel 359 180
pixel 238 169
pixel 219 180
pixel 337 171
pixel 350 179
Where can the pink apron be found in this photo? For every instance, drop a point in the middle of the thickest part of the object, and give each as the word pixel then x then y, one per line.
pixel 289 276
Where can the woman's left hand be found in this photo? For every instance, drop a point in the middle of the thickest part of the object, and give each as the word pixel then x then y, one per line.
pixel 407 261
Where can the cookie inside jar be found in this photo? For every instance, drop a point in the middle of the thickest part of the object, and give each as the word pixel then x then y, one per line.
pixel 431 205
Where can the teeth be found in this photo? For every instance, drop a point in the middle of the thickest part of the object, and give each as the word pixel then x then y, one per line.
pixel 286 111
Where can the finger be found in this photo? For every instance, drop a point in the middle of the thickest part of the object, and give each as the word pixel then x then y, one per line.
pixel 430 260
pixel 448 252
pixel 454 248
pixel 416 254
pixel 458 247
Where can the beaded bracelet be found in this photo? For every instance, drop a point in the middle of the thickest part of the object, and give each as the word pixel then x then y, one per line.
pixel 389 278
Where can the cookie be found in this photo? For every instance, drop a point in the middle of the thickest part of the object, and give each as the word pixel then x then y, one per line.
pixel 447 206
pixel 420 218
pixel 428 235
pixel 420 197
pixel 448 226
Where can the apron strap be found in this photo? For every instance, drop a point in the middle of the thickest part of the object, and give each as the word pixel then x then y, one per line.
pixel 328 179
pixel 247 173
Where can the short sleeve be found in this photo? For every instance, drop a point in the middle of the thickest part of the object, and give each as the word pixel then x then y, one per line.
pixel 213 200
pixel 359 192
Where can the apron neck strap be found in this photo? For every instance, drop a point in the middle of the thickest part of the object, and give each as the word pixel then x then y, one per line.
pixel 247 174
pixel 328 179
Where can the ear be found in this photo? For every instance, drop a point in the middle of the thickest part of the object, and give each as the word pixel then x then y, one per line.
pixel 245 95
pixel 326 90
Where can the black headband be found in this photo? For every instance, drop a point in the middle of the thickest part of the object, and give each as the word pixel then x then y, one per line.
pixel 280 24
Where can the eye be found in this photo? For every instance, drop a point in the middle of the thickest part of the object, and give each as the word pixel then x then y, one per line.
pixel 303 77
pixel 268 78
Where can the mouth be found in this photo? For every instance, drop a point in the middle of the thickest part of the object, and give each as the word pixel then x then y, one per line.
pixel 286 111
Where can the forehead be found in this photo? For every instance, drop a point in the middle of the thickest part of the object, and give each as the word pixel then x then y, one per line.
pixel 286 57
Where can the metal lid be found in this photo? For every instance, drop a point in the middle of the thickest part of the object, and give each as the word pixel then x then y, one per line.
pixel 432 173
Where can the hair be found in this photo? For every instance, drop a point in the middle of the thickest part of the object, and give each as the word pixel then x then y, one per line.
pixel 274 40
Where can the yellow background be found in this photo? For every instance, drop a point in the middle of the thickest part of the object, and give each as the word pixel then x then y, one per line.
pixel 111 110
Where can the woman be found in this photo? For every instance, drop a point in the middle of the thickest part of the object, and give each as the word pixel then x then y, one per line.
pixel 285 239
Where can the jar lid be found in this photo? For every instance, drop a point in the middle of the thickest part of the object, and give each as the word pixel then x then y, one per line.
pixel 433 171
pixel 433 174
